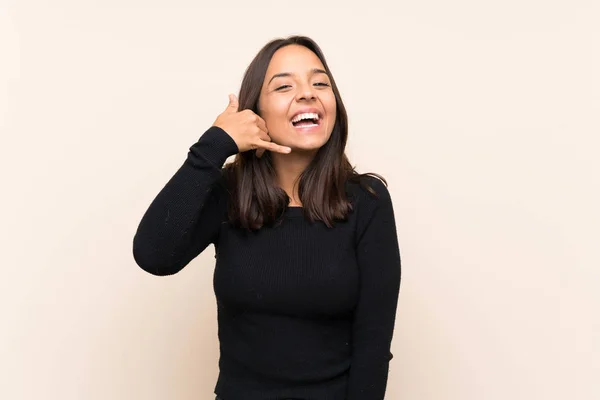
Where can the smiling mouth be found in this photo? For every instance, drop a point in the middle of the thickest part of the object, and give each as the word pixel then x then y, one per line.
pixel 306 120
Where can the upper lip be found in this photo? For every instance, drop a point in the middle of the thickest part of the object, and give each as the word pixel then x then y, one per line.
pixel 308 110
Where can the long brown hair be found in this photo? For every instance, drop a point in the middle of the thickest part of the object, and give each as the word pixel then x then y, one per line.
pixel 255 199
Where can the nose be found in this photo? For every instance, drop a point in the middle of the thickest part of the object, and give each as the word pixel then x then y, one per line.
pixel 305 92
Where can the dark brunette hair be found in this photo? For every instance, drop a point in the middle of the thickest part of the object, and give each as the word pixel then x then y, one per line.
pixel 255 199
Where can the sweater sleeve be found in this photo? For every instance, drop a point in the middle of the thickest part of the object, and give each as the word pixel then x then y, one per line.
pixel 378 258
pixel 185 216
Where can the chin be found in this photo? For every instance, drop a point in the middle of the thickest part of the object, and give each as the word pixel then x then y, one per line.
pixel 306 140
pixel 308 145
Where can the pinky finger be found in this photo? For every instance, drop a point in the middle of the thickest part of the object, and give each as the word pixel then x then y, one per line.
pixel 277 148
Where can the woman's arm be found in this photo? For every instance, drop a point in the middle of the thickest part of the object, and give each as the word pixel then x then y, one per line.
pixel 378 258
pixel 185 216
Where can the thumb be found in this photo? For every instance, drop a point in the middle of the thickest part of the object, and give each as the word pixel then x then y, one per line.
pixel 233 103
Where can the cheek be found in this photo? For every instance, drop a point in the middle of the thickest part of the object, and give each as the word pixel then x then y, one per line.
pixel 330 105
pixel 329 101
pixel 276 112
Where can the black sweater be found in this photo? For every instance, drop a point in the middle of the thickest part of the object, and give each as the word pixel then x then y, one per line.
pixel 304 311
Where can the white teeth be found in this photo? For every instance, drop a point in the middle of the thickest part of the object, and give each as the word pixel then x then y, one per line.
pixel 300 117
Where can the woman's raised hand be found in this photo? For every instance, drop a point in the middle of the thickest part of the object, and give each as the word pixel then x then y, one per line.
pixel 248 130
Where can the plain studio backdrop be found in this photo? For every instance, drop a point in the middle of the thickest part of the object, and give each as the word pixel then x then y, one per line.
pixel 483 116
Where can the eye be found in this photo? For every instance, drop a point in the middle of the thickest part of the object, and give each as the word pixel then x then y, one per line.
pixel 283 87
pixel 321 84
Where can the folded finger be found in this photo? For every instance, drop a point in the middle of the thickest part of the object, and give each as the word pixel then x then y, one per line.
pixel 262 125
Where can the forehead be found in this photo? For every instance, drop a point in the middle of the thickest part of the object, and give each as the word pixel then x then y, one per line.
pixel 294 59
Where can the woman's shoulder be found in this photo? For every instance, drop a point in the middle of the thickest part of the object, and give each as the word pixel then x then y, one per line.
pixel 369 188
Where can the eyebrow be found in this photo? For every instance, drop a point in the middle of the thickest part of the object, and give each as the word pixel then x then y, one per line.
pixel 313 71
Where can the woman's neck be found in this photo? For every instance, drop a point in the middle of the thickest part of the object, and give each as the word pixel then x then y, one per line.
pixel 288 168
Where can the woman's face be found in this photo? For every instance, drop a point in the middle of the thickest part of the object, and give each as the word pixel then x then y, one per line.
pixel 296 100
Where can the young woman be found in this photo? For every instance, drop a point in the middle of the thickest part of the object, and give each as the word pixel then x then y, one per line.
pixel 307 272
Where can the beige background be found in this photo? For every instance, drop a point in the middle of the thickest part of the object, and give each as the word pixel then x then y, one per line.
pixel 484 116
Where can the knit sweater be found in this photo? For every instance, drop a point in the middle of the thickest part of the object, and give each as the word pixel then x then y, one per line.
pixel 305 311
